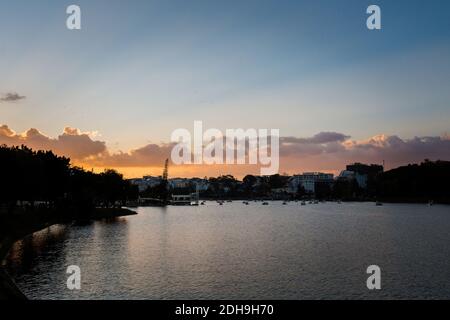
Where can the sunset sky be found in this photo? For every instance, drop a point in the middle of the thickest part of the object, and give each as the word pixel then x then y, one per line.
pixel 111 94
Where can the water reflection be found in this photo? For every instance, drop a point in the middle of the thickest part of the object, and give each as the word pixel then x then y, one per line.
pixel 243 252
pixel 23 254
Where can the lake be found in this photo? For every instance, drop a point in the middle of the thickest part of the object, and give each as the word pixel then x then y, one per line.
pixel 234 251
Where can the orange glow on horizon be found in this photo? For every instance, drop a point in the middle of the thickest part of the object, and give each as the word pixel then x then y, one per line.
pixel 199 171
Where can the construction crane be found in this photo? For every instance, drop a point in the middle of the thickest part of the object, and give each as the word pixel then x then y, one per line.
pixel 165 175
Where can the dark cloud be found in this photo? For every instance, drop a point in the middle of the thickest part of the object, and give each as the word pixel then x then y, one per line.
pixel 323 142
pixel 11 97
pixel 320 138
pixel 150 155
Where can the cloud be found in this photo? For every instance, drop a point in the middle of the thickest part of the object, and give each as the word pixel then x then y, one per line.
pixel 320 138
pixel 84 149
pixel 72 143
pixel 334 155
pixel 150 155
pixel 11 97
pixel 321 143
pixel 399 151
pixel 325 151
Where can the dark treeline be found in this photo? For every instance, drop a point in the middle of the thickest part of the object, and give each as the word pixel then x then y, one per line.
pixel 427 181
pixel 32 179
pixel 416 182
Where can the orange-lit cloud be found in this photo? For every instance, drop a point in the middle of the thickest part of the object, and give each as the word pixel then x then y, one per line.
pixel 326 151
pixel 72 143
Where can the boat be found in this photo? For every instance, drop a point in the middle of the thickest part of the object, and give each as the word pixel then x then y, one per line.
pixel 430 203
pixel 303 203
pixel 265 203
pixel 316 202
pixel 378 203
pixel 284 203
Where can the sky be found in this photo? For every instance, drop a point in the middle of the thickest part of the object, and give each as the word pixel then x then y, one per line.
pixel 111 94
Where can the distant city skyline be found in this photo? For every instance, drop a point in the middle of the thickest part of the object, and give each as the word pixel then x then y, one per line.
pixel 110 94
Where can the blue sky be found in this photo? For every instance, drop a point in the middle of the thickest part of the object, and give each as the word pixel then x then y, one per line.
pixel 140 69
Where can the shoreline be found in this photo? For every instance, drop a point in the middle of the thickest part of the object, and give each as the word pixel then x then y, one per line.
pixel 8 289
pixel 383 200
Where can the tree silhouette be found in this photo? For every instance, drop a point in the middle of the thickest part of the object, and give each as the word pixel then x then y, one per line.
pixel 29 177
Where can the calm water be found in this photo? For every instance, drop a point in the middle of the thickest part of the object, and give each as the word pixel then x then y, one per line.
pixel 244 252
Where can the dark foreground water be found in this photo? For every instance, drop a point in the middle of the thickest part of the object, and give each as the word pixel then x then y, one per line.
pixel 244 252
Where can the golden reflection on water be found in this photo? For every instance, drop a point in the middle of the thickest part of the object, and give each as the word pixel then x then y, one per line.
pixel 23 252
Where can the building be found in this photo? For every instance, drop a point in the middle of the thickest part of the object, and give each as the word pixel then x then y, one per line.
pixel 146 182
pixel 197 184
pixel 309 181
pixel 179 183
pixel 200 184
pixel 361 173
pixel 175 183
pixel 346 175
